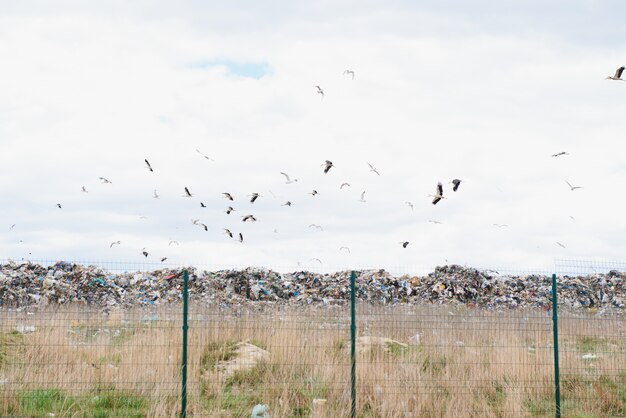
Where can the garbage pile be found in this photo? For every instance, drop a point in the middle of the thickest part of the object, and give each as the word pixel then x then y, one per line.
pixel 26 284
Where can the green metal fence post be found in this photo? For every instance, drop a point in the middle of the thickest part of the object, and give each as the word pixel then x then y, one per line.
pixel 185 328
pixel 555 327
pixel 353 341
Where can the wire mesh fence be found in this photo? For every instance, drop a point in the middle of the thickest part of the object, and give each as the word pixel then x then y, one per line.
pixel 592 338
pixel 423 346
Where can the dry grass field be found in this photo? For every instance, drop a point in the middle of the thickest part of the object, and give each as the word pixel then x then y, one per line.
pixel 433 361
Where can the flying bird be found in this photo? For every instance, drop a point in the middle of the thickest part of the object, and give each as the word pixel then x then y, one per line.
pixel 409 204
pixel 12 226
pixel 144 252
pixel 560 245
pixel 229 210
pixel 344 184
pixel 572 218
pixel 316 259
pixel 155 195
pixel 327 165
pixel 319 227
pixel 572 188
pixel 372 168
pixel 438 194
pixel 105 181
pixel 84 190
pixel 319 91
pixel 248 218
pixel 240 237
pixel 314 192
pixel 59 205
pixel 455 184
pixel 148 166
pixel 287 203
pixel 163 259
pixel 143 217
pixel 206 228
pixel 435 222
pixel 202 205
pixel 405 244
pixel 362 199
pixel 227 232
pixel 115 243
pixel 288 179
pixel 618 74
pixel 206 157
pixel 345 248
pixel 350 72
pixel 254 196
pixel 187 193
pixel 227 196
pixel 173 242
pixel 559 154
pixel 500 225
pixel 195 221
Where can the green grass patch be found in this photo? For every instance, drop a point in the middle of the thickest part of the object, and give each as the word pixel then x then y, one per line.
pixel 114 403
pixel 434 364
pixel 41 402
pixel 10 342
pixel 589 344
pixel 216 352
pixel 540 407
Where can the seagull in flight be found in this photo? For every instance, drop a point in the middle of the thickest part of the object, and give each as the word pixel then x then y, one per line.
pixel 362 200
pixel 187 193
pixel 206 228
pixel 205 156
pixel 59 205
pixel 202 205
pixel 105 181
pixel 618 74
pixel 287 203
pixel 572 218
pixel 438 194
pixel 115 243
pixel 405 244
pixel 409 204
pixel 148 166
pixel 84 190
pixel 173 242
pixel 345 248
pixel 227 196
pixel 144 252
pixel 455 184
pixel 435 222
pixel 12 226
pixel 319 227
pixel 314 192
pixel 572 188
pixel 288 179
pixel 254 196
pixel 327 165
pixel 344 184
pixel 349 72
pixel 229 210
pixel 560 153
pixel 195 221
pixel 251 218
pixel 316 259
pixel 372 168
pixel 560 245
pixel 319 91
pixel 155 195
pixel 163 259
pixel 501 225
pixel 227 232
pixel 240 237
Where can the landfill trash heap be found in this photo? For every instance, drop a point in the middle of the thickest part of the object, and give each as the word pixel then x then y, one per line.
pixel 26 284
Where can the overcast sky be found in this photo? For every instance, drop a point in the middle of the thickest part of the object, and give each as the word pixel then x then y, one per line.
pixel 444 89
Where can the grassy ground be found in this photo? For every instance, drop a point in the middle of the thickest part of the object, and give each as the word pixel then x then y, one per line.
pixel 467 362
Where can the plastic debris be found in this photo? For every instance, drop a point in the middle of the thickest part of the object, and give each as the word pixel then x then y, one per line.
pixel 260 411
pixel 27 284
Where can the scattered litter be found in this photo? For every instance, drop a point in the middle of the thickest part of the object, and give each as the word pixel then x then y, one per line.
pixel 260 411
pixel 25 329
pixel 25 284
pixel 589 356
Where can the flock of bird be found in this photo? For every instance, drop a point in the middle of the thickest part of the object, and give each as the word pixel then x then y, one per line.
pixel 327 166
